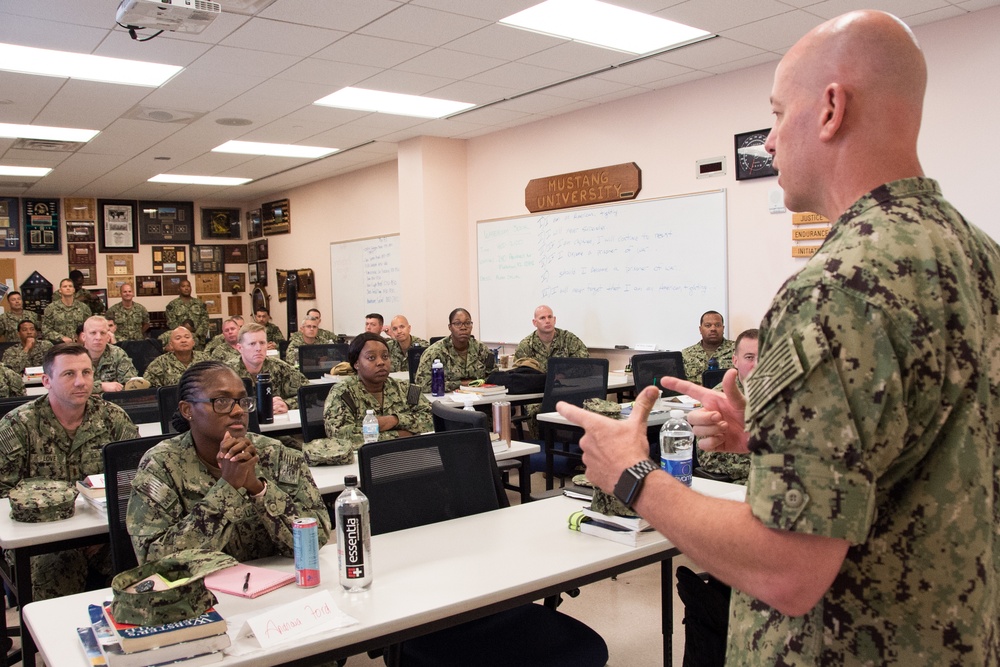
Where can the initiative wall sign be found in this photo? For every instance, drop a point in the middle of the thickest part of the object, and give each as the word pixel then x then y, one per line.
pixel 583 188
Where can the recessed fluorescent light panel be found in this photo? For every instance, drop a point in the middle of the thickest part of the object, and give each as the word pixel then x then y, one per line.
pixel 276 150
pixel 605 25
pixel 36 172
pixel 46 133
pixel 45 62
pixel 198 180
pixel 363 99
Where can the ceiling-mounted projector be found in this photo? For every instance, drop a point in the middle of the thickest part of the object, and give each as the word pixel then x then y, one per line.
pixel 190 16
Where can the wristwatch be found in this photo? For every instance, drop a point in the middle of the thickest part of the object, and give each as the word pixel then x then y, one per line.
pixel 630 483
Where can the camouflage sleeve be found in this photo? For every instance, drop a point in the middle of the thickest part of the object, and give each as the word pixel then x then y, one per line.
pixel 821 441
pixel 575 347
pixel 172 316
pixel 523 350
pixel 200 317
pixel 49 327
pixel 283 502
pixel 13 437
pixel 292 353
pixel 13 385
pixel 417 418
pixel 124 368
pixel 288 386
pixel 341 419
pixel 15 358
pixel 156 373
pixel 158 524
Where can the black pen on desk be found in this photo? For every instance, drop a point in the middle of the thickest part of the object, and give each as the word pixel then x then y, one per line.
pixel 246 583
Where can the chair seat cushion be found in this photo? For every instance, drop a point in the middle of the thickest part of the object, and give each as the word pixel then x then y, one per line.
pixel 531 635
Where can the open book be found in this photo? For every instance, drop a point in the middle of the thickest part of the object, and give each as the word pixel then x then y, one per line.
pixel 256 580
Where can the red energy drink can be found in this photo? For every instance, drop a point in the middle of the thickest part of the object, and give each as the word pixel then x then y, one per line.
pixel 305 534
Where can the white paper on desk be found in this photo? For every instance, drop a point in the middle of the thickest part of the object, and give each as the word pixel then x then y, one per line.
pixel 281 623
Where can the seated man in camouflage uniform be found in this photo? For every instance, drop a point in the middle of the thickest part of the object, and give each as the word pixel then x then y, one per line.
pixel 224 347
pixel 465 359
pixel 14 315
pixel 713 345
pixel 400 343
pixel 112 366
pixel 31 350
pixel 253 359
pixel 60 436
pixel 216 486
pixel 546 341
pixel 401 408
pixel 306 335
pixel 84 296
pixel 736 466
pixel 132 318
pixel 166 369
pixel 322 334
pixel 64 315
pixel 274 335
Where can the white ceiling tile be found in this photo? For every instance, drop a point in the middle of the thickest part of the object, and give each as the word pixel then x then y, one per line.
pixel 214 164
pixel 504 42
pixel 450 64
pixel 933 15
pixel 94 13
pixel 717 15
pixel 752 61
pixel 165 51
pixel 200 90
pixel 775 33
pixel 642 72
pixel 32 94
pixel 371 51
pixel 347 15
pixel 901 8
pixel 534 104
pixel 687 77
pixel 492 115
pixel 648 6
pixel 474 93
pixel 492 11
pixel 283 132
pixel 394 81
pixel 277 37
pixel 48 34
pixel 975 5
pixel 320 115
pixel 77 171
pixel 341 137
pixel 520 76
pixel 96 104
pixel 584 89
pixel 709 53
pixel 385 122
pixel 422 26
pixel 246 62
pixel 576 58
pixel 129 137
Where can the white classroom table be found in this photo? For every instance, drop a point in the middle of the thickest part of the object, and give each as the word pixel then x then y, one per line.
pixel 417 586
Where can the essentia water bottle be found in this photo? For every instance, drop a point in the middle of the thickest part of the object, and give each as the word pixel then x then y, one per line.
pixel 677 447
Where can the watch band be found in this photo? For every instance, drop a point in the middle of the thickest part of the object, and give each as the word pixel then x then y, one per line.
pixel 630 483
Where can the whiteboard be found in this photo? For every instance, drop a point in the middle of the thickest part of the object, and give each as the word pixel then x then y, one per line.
pixel 364 278
pixel 636 273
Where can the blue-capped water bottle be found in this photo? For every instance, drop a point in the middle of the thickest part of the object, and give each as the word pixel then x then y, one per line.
pixel 437 378
pixel 677 447
pixel 713 364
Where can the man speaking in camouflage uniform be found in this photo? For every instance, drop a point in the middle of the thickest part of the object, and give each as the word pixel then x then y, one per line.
pixel 62 317
pixel 546 341
pixel 60 436
pixel 713 345
pixel 869 534
pixel 187 307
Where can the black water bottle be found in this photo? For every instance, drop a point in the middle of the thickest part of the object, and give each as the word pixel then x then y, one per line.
pixel 265 394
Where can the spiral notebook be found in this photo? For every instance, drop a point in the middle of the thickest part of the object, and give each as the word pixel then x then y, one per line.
pixel 262 580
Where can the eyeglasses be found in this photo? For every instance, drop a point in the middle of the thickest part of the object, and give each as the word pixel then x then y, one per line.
pixel 462 325
pixel 223 405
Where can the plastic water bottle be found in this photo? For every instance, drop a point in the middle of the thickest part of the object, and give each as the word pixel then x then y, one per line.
pixel 437 378
pixel 354 537
pixel 713 364
pixel 369 427
pixel 676 447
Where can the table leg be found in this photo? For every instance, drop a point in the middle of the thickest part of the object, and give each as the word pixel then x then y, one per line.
pixel 549 461
pixel 667 608
pixel 22 580
pixel 524 478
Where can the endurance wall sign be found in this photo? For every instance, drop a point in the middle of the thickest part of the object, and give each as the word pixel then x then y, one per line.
pixel 583 188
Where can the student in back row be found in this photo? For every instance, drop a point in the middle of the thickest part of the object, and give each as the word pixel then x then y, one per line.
pixel 14 315
pixel 713 345
pixel 465 359
pixel 253 359
pixel 401 342
pixel 546 341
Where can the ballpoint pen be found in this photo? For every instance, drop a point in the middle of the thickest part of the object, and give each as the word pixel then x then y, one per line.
pixel 246 583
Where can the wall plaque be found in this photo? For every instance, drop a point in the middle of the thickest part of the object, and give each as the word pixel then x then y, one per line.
pixel 161 221
pixel 148 286
pixel 275 218
pixel 42 234
pixel 618 182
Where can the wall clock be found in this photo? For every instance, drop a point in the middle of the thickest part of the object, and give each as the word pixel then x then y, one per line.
pixel 752 161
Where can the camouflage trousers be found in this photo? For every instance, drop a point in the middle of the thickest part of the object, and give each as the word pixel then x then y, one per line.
pixel 67 572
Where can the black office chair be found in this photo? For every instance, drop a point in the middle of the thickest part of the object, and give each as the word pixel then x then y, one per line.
pixel 141 352
pixel 4 346
pixel 647 368
pixel 141 405
pixel 8 404
pixel 710 379
pixel 121 460
pixel 440 476
pixel 435 339
pixel 317 360
pixel 413 360
pixel 282 348
pixel 450 418
pixel 312 399
pixel 573 381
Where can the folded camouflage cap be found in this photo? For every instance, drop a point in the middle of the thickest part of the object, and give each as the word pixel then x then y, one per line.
pixel 528 362
pixel 343 368
pixel 605 503
pixel 328 452
pixel 142 605
pixel 603 407
pixel 137 383
pixel 38 499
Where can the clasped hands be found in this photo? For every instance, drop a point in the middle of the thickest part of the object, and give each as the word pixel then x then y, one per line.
pixel 238 460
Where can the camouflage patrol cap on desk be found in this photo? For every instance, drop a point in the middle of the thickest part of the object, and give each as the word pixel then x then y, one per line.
pixel 605 503
pixel 156 607
pixel 38 499
pixel 343 368
pixel 603 407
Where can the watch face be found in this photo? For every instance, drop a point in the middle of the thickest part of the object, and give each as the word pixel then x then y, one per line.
pixel 752 161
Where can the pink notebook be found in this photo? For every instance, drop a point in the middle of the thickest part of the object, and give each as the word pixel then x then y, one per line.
pixel 262 580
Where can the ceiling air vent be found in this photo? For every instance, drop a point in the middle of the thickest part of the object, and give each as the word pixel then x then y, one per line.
pixel 48 145
pixel 161 115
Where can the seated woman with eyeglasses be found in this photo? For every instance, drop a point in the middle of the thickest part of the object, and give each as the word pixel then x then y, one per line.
pixel 401 408
pixel 215 486
pixel 464 358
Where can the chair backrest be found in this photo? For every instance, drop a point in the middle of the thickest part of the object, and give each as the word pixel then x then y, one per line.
pixel 312 398
pixel 141 352
pixel 8 404
pixel 450 418
pixel 167 398
pixel 121 459
pixel 574 380
pixel 4 346
pixel 413 360
pixel 711 378
pixel 282 348
pixel 316 360
pixel 434 339
pixel 429 478
pixel 649 367
pixel 141 405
